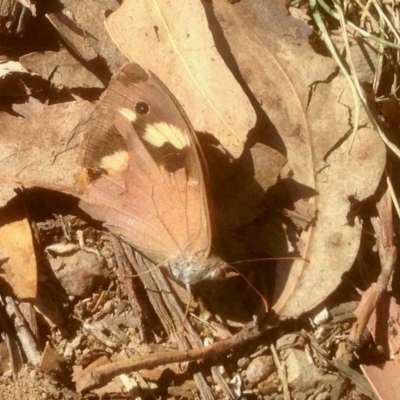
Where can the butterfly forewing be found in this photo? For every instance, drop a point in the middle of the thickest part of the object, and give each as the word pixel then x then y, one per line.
pixel 143 173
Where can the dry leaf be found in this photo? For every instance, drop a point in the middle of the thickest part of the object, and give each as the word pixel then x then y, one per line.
pixel 48 159
pixel 173 40
pixel 384 326
pixel 18 268
pixel 315 129
pixel 384 323
pixel 16 81
pixel 88 17
pixel 61 69
pixel 31 107
pixel 384 379
pixel 73 35
pixel 239 187
pixel 50 360
pixel 267 164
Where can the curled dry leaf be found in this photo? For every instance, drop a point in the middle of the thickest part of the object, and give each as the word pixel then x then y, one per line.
pixel 173 40
pixel 314 125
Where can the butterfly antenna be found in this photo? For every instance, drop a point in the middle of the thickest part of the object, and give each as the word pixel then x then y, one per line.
pixel 269 259
pixel 261 259
pixel 264 301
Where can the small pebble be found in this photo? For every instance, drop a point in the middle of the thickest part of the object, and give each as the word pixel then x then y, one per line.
pixel 259 369
pixel 267 387
pixel 80 272
pixel 301 375
pixel 243 362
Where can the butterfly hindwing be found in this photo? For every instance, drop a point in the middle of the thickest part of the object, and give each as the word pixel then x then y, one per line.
pixel 143 173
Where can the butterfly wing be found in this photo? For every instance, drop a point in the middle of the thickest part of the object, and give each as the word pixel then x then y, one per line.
pixel 143 171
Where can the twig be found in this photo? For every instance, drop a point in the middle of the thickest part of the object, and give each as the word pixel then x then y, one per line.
pixel 125 275
pixel 345 371
pixel 393 196
pixel 359 380
pixel 353 73
pixel 388 256
pixel 170 312
pixel 27 341
pixel 105 373
pixel 8 336
pixel 281 372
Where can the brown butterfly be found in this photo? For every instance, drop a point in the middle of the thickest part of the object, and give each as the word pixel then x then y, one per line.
pixel 143 176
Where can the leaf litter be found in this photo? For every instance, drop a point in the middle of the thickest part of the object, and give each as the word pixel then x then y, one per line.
pixel 314 155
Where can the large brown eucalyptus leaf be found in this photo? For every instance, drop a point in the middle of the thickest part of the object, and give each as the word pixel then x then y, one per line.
pixel 311 108
pixel 173 40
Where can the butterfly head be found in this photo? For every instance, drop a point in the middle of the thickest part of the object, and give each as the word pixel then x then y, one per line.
pixel 192 269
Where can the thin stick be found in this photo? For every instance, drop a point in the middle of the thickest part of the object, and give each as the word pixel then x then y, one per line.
pixel 23 332
pixel 388 257
pixel 104 373
pixel 281 372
